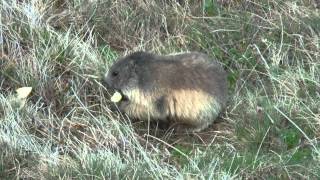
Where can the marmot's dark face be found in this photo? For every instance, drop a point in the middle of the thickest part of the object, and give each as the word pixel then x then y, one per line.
pixel 121 76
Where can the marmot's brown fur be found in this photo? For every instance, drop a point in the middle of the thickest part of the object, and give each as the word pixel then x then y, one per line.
pixel 188 89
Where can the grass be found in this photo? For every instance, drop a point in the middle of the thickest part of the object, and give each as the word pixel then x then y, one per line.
pixel 270 129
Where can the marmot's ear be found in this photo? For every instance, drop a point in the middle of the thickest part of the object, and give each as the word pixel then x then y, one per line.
pixel 132 65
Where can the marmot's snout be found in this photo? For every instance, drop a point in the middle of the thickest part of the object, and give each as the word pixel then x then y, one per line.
pixel 108 80
pixel 104 81
pixel 110 85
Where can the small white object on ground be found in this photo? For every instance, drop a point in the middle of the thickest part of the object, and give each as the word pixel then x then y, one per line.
pixel 23 92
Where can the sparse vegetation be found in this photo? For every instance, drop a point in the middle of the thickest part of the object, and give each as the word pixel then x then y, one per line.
pixel 270 48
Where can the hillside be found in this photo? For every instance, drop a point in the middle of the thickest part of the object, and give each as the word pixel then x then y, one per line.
pixel 65 129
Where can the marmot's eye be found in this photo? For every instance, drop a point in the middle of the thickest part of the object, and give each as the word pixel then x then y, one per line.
pixel 115 73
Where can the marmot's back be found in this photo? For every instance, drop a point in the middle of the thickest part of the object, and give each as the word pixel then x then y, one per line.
pixel 187 88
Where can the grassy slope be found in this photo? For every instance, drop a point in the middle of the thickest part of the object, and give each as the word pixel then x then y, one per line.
pixel 60 48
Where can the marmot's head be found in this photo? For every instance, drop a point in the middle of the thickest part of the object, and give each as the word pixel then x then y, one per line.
pixel 122 75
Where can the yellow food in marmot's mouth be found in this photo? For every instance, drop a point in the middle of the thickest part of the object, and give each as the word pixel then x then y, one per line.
pixel 116 97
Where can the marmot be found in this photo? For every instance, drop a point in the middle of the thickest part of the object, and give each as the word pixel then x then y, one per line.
pixel 187 89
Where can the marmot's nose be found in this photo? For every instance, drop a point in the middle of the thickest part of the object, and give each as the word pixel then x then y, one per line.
pixel 105 81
